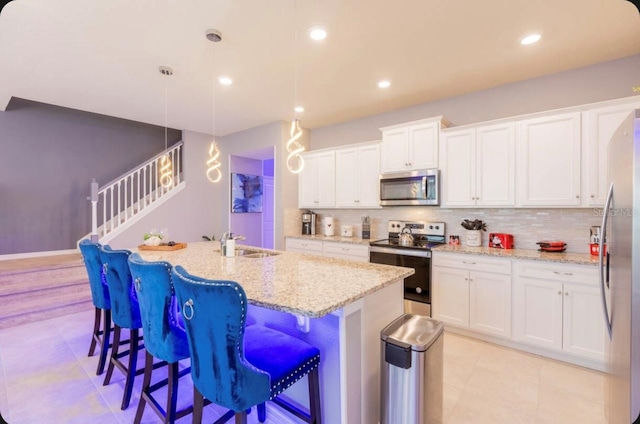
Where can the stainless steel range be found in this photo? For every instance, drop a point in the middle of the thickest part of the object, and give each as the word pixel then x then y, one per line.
pixel 395 251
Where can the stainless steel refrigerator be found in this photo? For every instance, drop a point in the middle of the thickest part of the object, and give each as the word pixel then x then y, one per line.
pixel 620 272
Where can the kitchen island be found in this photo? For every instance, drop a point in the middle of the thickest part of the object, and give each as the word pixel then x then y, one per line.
pixel 337 305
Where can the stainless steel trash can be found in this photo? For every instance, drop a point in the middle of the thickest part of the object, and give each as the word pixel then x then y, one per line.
pixel 411 373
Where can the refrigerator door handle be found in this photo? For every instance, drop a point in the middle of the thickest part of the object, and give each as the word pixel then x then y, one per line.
pixel 603 236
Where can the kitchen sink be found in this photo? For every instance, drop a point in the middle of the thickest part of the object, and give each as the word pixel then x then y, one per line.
pixel 249 253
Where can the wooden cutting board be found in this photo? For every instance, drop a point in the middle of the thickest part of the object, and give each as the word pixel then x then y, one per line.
pixel 177 246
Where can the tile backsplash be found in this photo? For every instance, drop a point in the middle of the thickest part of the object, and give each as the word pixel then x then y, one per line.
pixel 528 226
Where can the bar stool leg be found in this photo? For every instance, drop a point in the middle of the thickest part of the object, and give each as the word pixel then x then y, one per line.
pixel 198 405
pixel 146 382
pixel 106 335
pixel 134 340
pixel 114 354
pixel 96 331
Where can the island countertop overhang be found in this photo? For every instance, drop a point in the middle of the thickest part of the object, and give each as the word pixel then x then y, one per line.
pixel 296 283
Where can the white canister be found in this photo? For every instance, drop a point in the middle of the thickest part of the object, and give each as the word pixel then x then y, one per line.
pixel 474 238
pixel 328 226
pixel 231 248
pixel 346 231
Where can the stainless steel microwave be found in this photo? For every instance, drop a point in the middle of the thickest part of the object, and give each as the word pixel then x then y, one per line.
pixel 410 188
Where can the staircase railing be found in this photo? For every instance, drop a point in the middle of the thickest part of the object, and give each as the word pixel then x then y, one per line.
pixel 125 197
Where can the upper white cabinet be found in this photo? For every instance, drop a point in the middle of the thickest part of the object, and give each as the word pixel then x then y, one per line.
pixel 316 184
pixel 599 125
pixel 410 146
pixel 549 161
pixel 358 177
pixel 477 166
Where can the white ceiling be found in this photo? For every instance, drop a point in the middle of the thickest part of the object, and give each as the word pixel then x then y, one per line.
pixel 103 56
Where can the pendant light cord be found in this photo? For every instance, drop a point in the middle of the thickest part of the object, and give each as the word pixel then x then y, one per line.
pixel 166 112
pixel 295 59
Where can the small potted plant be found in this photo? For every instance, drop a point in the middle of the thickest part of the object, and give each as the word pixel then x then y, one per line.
pixel 474 231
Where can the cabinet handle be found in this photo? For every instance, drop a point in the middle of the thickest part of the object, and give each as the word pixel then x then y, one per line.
pixel 409 163
pixel 466 279
pixel 559 292
pixel 577 196
pixel 592 196
pixel 346 249
pixel 470 279
pixel 557 272
pixel 567 273
pixel 468 263
pixel 566 293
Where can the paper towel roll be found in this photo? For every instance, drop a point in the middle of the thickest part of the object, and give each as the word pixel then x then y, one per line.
pixel 328 226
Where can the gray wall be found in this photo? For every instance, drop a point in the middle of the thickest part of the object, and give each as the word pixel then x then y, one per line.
pixel 48 157
pixel 604 81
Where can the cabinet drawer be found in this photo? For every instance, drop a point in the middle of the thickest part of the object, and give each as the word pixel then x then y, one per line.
pixel 334 249
pixel 472 263
pixel 582 274
pixel 310 246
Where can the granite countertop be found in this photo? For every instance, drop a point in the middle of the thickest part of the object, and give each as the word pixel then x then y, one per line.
pixel 291 282
pixel 338 239
pixel 533 255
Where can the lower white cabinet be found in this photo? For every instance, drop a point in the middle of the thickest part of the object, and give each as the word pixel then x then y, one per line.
pixel 472 292
pixel 303 246
pixel 328 249
pixel 354 252
pixel 558 307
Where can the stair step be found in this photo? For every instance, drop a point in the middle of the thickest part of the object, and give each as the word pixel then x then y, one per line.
pixel 40 300
pixel 35 289
pixel 27 281
pixel 40 315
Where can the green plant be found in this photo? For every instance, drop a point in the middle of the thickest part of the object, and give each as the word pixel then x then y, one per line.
pixel 162 234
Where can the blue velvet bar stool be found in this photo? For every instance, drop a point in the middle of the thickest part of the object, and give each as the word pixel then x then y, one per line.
pixel 238 366
pixel 101 301
pixel 125 313
pixel 164 335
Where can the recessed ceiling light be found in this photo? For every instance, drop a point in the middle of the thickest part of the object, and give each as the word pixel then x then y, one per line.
pixel 530 39
pixel 225 80
pixel 317 33
pixel 299 109
pixel 384 84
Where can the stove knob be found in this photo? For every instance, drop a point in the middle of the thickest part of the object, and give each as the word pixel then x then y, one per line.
pixel 431 227
pixel 418 290
pixel 437 227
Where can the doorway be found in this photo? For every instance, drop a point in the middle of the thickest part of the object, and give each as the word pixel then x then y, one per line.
pixel 257 227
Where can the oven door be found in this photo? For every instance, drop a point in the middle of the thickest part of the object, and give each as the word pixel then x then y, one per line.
pixel 417 287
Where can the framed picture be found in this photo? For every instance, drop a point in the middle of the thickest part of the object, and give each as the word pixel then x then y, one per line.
pixel 246 193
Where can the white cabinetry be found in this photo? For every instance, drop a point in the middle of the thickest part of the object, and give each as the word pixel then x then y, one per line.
pixel 354 252
pixel 410 146
pixel 549 161
pixel 316 184
pixel 303 246
pixel 477 166
pixel 472 292
pixel 558 307
pixel 351 251
pixel 358 177
pixel 599 125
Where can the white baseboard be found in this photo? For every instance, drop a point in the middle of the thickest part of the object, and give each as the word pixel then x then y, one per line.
pixel 37 254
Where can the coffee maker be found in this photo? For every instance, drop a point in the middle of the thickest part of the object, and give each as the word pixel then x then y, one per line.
pixel 308 223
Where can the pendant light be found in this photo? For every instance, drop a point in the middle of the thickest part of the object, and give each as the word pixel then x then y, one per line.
pixel 166 167
pixel 295 162
pixel 214 174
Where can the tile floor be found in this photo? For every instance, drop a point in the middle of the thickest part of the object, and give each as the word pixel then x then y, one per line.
pixel 46 377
